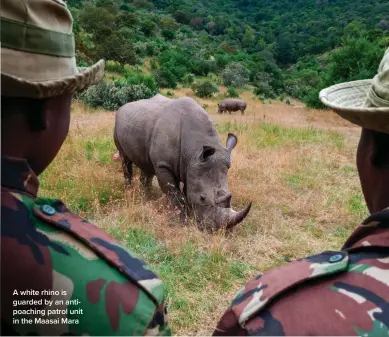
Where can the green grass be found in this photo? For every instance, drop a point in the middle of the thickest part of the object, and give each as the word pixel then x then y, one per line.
pixel 357 205
pixel 265 135
pixel 187 272
pixel 99 149
pixel 82 188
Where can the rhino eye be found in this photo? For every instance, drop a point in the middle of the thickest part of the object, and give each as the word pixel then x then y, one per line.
pixel 208 151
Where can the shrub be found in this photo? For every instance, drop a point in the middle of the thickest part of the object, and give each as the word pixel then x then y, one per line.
pixel 205 90
pixel 188 79
pixel 112 96
pixel 168 34
pixel 232 93
pixel 287 101
pixel 262 98
pixel 235 74
pixel 170 93
pixel 263 85
pixel 166 79
pixel 113 66
pixel 138 77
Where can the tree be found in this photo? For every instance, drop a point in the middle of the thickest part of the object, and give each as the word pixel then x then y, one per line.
pixel 116 48
pixel 197 23
pixel 148 27
pixel 284 50
pixel 205 90
pixel 235 75
pixel 248 38
pixel 182 16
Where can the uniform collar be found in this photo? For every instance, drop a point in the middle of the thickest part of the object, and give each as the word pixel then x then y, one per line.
pixel 18 176
pixel 373 232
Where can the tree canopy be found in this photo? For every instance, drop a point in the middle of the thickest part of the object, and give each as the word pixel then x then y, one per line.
pixel 279 47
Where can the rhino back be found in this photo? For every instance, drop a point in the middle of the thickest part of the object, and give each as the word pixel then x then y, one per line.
pixel 232 103
pixel 134 127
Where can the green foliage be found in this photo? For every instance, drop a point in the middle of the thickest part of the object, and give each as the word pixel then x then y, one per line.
pixel 166 78
pixel 232 93
pixel 111 96
pixel 133 76
pixel 205 89
pixel 235 74
pixel 188 79
pixel 296 48
pixel 113 66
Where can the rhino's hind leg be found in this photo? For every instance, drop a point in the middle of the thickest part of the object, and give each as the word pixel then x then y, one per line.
pixel 127 170
pixel 146 181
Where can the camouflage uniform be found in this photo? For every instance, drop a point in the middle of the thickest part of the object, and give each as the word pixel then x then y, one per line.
pixel 46 247
pixel 343 293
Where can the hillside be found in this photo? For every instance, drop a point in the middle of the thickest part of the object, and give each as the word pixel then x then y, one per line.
pixel 281 47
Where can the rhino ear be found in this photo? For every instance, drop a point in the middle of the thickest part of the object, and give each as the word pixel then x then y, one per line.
pixel 231 142
pixel 208 151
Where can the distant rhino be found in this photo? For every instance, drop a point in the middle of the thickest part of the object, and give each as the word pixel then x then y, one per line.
pixel 232 104
pixel 176 140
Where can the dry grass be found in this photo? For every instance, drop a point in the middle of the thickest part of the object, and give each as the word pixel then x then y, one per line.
pixel 296 165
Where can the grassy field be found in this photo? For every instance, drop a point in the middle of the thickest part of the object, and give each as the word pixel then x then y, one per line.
pixel 296 165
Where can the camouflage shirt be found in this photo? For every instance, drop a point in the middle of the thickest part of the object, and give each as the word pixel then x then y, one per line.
pixel 336 293
pixel 49 254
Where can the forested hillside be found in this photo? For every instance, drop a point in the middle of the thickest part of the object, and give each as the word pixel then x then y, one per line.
pixel 279 47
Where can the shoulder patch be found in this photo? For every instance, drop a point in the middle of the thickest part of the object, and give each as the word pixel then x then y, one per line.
pixel 258 293
pixel 100 243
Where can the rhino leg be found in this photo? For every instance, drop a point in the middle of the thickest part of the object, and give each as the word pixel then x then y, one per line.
pixel 127 170
pixel 171 187
pixel 146 180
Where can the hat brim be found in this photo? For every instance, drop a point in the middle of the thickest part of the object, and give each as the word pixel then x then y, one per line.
pixel 349 100
pixel 12 86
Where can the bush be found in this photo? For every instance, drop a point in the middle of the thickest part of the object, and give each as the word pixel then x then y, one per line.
pixel 263 85
pixel 205 90
pixel 112 96
pixel 166 79
pixel 168 34
pixel 188 79
pixel 287 101
pixel 170 93
pixel 236 75
pixel 232 93
pixel 138 77
pixel 113 66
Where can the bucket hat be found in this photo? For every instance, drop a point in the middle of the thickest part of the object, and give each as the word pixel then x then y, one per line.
pixel 38 50
pixel 365 102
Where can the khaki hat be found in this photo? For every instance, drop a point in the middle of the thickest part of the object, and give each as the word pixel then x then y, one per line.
pixel 38 51
pixel 365 102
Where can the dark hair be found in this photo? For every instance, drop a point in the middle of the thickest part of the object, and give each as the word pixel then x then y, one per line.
pixel 381 153
pixel 31 108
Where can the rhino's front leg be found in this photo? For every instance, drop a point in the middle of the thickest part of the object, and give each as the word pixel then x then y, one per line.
pixel 171 187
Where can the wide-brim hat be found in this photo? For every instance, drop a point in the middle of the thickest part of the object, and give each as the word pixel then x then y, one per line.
pixel 38 51
pixel 365 102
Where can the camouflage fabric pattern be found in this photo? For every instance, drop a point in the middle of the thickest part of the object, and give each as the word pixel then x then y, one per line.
pixel 42 250
pixel 344 293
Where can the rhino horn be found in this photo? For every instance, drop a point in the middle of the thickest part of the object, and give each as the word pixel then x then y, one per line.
pixel 234 218
pixel 231 142
pixel 225 200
